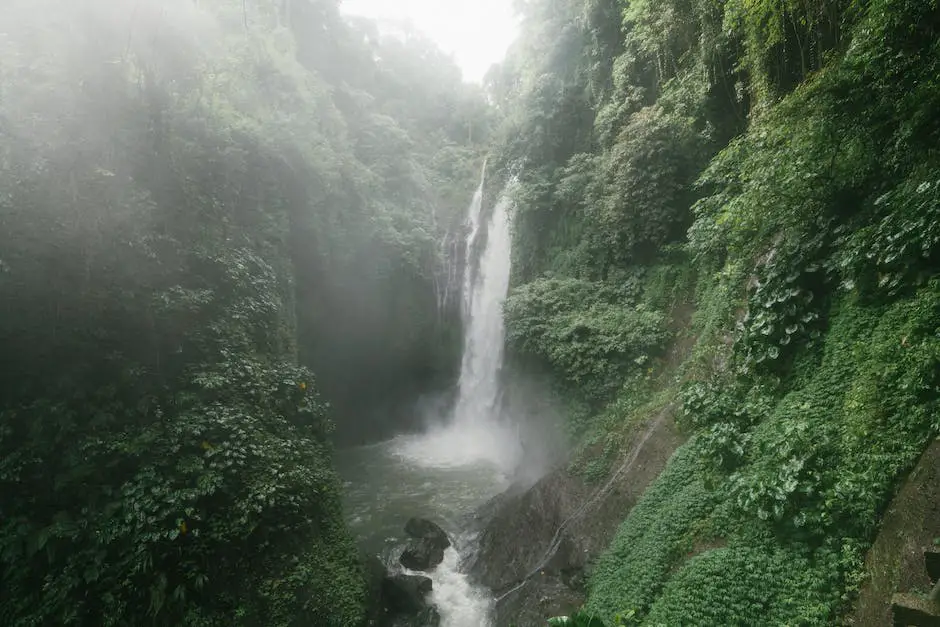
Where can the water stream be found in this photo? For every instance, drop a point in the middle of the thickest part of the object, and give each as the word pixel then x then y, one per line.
pixel 456 465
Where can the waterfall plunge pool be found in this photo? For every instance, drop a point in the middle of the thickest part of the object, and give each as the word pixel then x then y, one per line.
pixel 388 483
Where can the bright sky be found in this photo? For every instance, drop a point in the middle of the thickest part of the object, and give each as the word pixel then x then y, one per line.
pixel 476 32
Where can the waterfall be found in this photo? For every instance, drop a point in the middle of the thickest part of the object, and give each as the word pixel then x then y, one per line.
pixel 474 432
pixel 473 232
pixel 484 294
pixel 451 257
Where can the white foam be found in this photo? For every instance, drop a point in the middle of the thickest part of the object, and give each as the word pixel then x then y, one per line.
pixel 460 444
pixel 460 603
pixel 484 295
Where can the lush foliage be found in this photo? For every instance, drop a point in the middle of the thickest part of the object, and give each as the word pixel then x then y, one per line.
pixel 197 198
pixel 789 148
pixel 630 576
pixel 578 620
pixel 584 331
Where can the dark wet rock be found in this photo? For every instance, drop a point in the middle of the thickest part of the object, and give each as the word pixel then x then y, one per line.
pixel 535 546
pixel 428 617
pixel 375 574
pixel 397 600
pixel 406 594
pixel 529 605
pixel 422 529
pixel 423 554
pixel 426 548
pixel 901 558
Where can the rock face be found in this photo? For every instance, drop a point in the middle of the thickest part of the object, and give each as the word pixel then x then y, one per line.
pixel 537 544
pixel 404 598
pixel 426 549
pixel 422 529
pixel 398 600
pixel 896 560
pixel 421 555
pixel 406 593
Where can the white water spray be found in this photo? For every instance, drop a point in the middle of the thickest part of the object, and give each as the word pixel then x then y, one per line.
pixel 483 341
pixel 460 603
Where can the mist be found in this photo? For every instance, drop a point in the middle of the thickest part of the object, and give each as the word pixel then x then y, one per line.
pixel 221 229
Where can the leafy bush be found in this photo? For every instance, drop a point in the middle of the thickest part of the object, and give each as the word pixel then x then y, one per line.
pixel 580 329
pixel 214 503
pixel 723 413
pixel 898 250
pixel 746 586
pixel 580 619
pixel 784 307
pixel 814 465
pixel 646 189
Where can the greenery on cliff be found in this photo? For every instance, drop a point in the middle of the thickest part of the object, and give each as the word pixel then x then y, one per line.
pixel 200 203
pixel 759 181
pixel 222 222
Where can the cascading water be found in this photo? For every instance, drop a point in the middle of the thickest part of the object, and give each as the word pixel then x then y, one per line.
pixel 473 232
pixel 483 314
pixel 475 432
pixel 448 471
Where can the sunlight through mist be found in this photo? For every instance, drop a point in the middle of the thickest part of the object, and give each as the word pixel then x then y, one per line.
pixel 476 33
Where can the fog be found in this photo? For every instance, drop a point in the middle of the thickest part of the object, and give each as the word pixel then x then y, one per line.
pixel 477 34
pixel 221 262
pixel 100 96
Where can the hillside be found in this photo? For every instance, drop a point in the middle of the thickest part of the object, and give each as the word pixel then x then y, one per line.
pixel 729 210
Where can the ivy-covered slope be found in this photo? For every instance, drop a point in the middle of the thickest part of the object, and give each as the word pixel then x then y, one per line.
pixel 176 180
pixel 776 165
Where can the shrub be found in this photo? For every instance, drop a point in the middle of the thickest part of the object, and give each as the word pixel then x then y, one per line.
pixel 579 328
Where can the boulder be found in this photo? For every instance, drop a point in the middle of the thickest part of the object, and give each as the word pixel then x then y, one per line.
pixel 426 548
pixel 913 609
pixel 405 594
pixel 422 529
pixel 426 618
pixel 423 554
